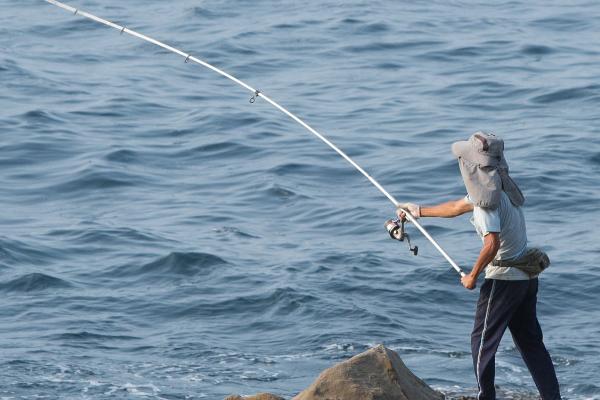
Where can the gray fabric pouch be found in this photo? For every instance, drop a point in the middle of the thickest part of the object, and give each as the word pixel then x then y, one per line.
pixel 533 262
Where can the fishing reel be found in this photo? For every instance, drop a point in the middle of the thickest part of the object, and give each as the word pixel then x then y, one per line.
pixel 395 228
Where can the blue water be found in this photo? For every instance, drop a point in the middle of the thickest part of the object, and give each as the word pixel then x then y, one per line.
pixel 163 237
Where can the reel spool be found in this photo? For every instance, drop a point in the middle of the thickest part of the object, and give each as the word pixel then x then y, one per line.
pixel 395 228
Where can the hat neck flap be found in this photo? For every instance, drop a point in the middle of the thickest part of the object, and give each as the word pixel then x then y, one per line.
pixel 485 183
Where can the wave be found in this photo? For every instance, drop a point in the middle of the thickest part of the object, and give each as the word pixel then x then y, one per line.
pixel 40 117
pixel 220 150
pixel 175 264
pixel 90 336
pixel 454 54
pixel 231 230
pixel 122 156
pixel 34 282
pixel 279 302
pixel 562 23
pixel 95 179
pixel 15 253
pixel 537 50
pixel 314 171
pixel 590 92
pixel 107 235
pixel 273 194
pixel 389 46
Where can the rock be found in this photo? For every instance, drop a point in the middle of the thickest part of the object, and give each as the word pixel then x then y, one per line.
pixel 260 396
pixel 377 374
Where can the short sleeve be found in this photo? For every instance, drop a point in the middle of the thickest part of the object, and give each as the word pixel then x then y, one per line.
pixel 487 220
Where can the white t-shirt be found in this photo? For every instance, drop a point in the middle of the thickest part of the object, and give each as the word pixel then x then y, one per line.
pixel 509 221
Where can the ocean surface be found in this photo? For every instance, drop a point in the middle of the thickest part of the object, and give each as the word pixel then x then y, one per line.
pixel 163 238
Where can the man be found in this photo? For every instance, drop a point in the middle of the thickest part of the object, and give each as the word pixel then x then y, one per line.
pixel 509 295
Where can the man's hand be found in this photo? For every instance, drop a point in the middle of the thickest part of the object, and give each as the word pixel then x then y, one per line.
pixel 413 209
pixel 469 281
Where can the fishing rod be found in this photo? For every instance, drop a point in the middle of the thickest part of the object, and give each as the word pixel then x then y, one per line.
pixel 398 233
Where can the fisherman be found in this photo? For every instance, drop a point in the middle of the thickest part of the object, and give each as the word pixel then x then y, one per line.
pixel 508 296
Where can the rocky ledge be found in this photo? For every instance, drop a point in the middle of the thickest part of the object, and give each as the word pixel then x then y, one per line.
pixel 376 374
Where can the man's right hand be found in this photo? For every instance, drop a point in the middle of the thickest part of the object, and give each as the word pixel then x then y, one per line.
pixel 413 209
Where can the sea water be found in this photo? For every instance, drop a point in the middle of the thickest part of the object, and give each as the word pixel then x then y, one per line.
pixel 161 237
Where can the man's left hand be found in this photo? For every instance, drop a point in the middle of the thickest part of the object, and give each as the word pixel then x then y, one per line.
pixel 469 281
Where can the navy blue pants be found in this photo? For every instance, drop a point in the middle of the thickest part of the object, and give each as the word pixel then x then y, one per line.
pixel 510 304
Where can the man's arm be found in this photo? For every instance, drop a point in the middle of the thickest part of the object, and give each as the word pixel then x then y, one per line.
pixel 491 244
pixel 449 209
pixel 445 210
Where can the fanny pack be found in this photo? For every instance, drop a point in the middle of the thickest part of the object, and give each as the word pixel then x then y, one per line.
pixel 533 262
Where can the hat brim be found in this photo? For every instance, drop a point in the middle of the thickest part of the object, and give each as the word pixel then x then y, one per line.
pixel 462 149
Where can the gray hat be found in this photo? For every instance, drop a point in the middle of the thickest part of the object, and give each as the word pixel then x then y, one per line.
pixel 484 170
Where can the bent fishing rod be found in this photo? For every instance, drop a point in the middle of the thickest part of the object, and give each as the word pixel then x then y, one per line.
pixel 395 227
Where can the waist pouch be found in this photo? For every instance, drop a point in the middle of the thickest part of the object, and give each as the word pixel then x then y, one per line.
pixel 533 262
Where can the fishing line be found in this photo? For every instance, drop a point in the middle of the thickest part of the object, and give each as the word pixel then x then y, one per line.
pixel 255 95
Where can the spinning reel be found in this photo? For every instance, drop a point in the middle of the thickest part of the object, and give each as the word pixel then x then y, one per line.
pixel 395 228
